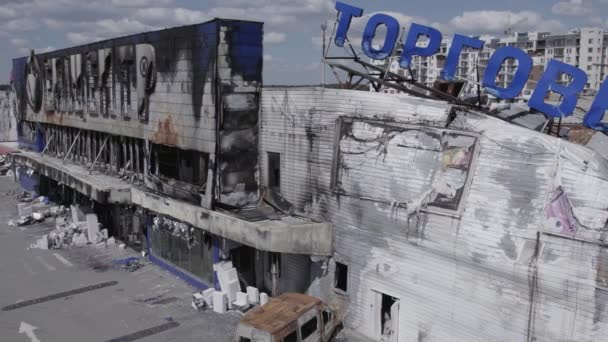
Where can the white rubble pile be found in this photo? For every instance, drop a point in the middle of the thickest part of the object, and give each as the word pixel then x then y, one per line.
pixel 30 214
pixel 70 231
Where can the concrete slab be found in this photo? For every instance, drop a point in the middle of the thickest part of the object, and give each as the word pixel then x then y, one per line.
pixel 92 228
pixel 253 295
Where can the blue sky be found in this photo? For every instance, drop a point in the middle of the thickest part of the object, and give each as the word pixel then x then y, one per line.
pixel 292 27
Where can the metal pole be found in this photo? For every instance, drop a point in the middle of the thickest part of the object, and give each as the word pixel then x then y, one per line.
pixel 72 146
pixel 99 154
pixel 323 27
pixel 47 145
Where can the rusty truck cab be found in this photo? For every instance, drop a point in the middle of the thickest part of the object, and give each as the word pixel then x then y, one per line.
pixel 290 317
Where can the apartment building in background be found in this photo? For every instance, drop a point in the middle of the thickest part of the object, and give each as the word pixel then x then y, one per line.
pixel 585 48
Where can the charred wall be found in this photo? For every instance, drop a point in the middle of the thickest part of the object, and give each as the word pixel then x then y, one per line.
pixel 495 271
pixel 240 62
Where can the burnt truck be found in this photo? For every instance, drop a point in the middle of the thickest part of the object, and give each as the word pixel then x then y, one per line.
pixel 290 317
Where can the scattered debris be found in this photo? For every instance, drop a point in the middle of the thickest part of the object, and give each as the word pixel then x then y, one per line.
pixel 67 231
pixel 130 264
pixel 198 301
pixel 241 303
pixel 24 197
pixel 124 261
pixel 5 166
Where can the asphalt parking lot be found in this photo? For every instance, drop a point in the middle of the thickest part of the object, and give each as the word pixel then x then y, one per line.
pixel 78 294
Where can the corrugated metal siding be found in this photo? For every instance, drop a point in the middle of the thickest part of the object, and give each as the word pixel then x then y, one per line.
pixel 472 277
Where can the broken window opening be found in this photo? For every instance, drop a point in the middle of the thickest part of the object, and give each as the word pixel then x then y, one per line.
pixel 49 81
pixel 308 328
pixel 125 88
pixel 59 85
pixel 170 240
pixel 292 337
pixel 389 317
pixel 326 315
pixel 107 86
pixel 66 86
pixel 92 72
pixel 276 258
pixel 77 82
pixel 341 277
pixel 274 171
pixel 395 153
pixel 187 166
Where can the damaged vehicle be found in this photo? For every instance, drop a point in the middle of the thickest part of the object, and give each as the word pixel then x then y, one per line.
pixel 290 317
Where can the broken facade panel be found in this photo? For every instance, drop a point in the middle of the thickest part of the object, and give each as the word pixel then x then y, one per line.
pixel 163 127
pixel 491 269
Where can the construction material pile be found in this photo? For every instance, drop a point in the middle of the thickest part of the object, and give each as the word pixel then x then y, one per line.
pixel 30 213
pixel 70 230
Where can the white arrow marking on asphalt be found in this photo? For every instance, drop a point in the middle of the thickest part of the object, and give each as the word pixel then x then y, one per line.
pixel 63 260
pixel 28 329
pixel 45 264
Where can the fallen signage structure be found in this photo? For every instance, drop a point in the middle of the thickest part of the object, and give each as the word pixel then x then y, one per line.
pixel 548 82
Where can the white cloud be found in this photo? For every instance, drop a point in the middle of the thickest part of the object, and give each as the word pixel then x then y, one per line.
pixel 26 50
pixel 274 37
pixel 122 26
pixel 141 3
pixel 282 6
pixel 6 12
pixel 19 42
pixel 83 38
pixel 265 14
pixel 267 57
pixel 571 8
pixel 596 20
pixel 487 22
pixel 187 16
pixel 169 17
pixel 20 25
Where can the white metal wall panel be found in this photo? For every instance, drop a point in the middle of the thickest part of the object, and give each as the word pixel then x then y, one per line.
pixel 484 275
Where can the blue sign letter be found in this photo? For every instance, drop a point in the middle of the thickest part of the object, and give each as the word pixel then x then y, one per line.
pixel 549 83
pixel 410 49
pixel 593 119
pixel 347 12
pixel 451 62
pixel 392 31
pixel 519 79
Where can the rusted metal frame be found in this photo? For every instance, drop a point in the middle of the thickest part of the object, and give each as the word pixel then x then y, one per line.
pixel 103 146
pixel 72 146
pixel 47 145
pixel 349 81
pixel 414 82
pixel 335 74
pixel 379 81
pixel 438 93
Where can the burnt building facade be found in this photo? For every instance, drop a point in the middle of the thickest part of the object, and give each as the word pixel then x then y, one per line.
pixel 448 224
pixel 158 134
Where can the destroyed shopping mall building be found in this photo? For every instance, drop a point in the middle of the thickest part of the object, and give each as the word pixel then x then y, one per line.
pixel 441 221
